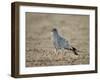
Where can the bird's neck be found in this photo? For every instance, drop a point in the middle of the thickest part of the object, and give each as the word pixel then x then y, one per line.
pixel 55 34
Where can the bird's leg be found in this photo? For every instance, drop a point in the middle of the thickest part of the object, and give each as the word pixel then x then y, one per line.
pixel 62 50
pixel 56 50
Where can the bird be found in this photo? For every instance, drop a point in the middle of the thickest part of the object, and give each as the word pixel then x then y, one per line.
pixel 61 43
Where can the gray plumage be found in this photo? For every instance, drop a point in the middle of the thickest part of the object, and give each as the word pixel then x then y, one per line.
pixel 60 43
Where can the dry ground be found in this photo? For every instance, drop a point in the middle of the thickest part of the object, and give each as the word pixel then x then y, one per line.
pixel 39 47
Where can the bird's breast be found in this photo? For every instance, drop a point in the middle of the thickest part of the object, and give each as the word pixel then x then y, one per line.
pixel 52 36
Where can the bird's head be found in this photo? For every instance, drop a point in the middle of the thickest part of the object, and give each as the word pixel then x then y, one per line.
pixel 54 30
pixel 54 33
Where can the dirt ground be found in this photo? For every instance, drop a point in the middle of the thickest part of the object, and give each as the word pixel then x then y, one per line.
pixel 40 50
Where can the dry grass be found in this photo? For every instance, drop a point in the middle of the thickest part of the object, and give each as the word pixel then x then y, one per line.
pixel 48 57
pixel 39 47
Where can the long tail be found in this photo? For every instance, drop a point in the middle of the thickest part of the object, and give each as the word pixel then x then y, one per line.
pixel 74 50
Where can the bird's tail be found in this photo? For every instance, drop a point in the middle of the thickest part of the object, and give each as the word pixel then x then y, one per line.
pixel 74 50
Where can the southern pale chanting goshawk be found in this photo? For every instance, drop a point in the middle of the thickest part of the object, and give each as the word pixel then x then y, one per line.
pixel 61 43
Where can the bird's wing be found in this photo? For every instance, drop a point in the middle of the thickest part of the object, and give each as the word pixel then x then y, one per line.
pixel 63 42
